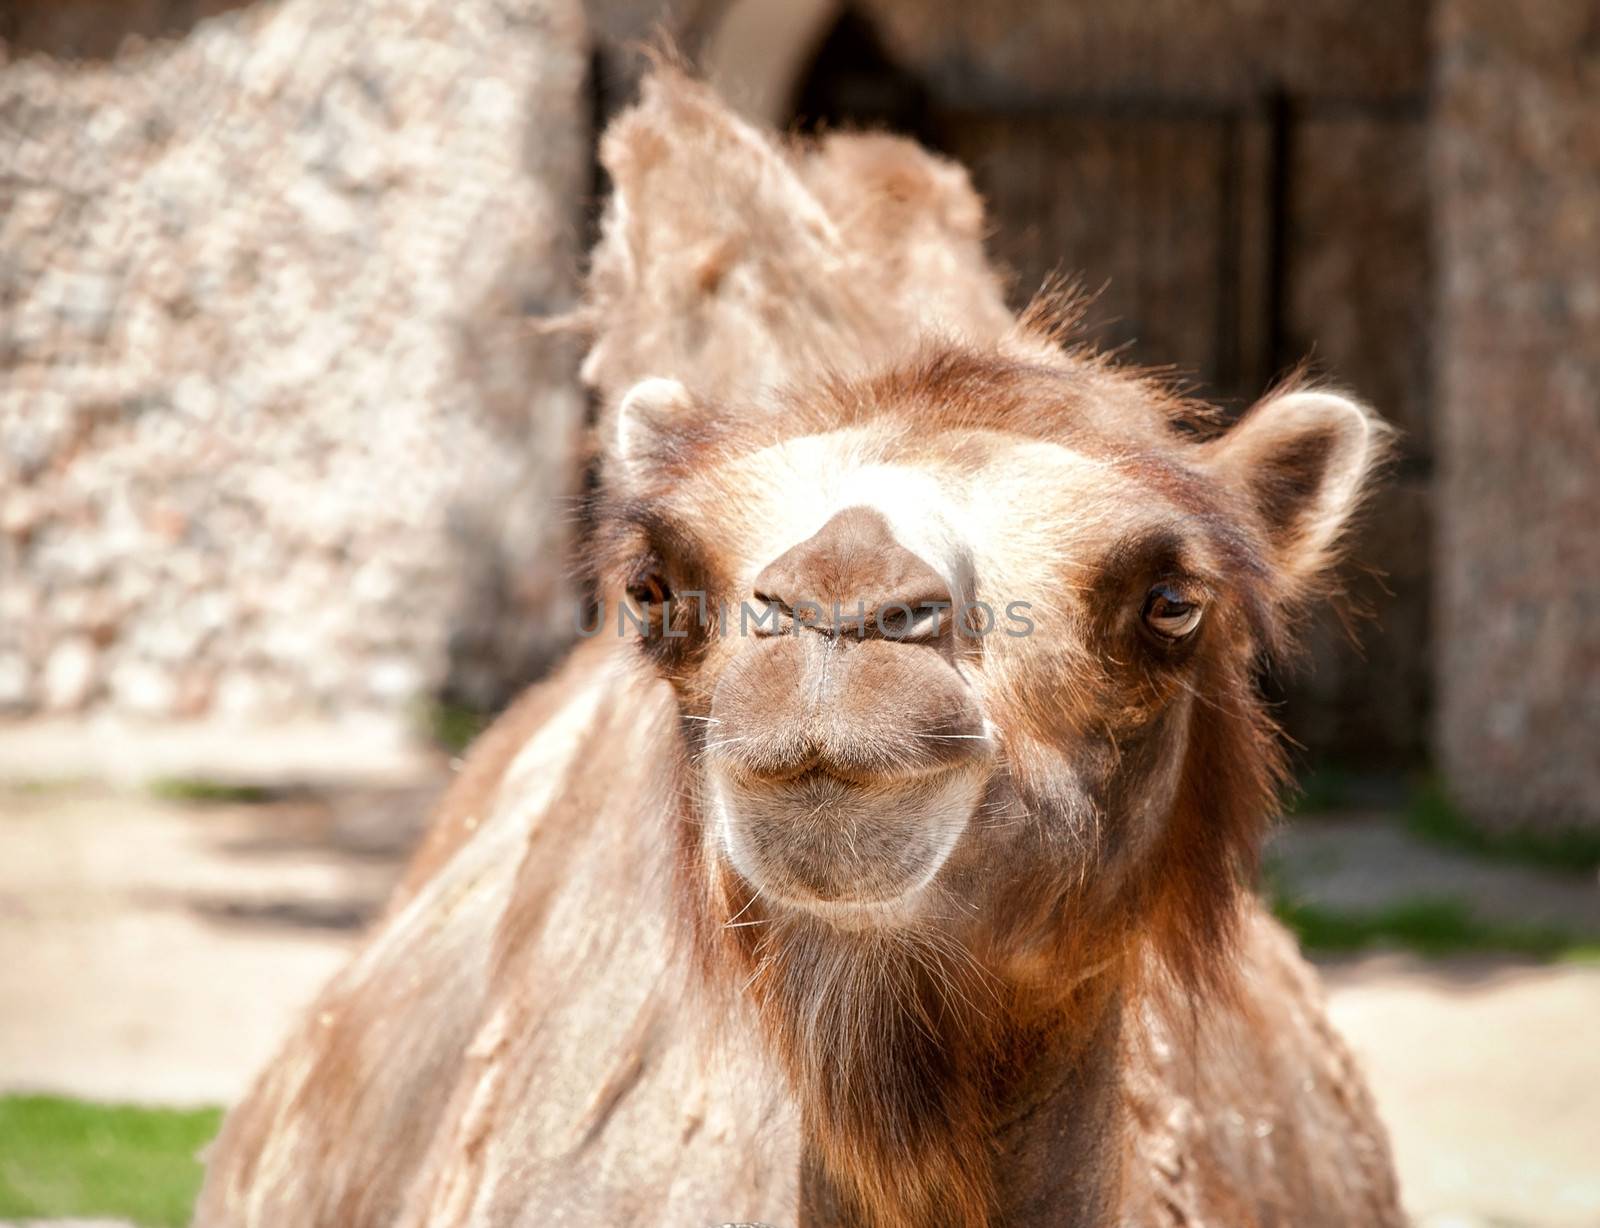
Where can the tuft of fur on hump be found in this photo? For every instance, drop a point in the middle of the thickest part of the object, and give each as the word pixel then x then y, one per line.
pixel 736 263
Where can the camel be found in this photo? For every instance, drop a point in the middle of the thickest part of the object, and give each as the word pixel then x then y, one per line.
pixel 883 854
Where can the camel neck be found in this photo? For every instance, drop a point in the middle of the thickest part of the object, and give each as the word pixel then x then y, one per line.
pixel 1054 1151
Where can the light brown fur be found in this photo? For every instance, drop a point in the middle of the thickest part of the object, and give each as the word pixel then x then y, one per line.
pixel 841 923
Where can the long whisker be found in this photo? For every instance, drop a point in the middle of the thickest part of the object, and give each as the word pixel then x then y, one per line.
pixel 755 895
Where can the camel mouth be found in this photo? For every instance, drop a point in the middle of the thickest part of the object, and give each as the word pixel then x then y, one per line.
pixel 843 777
pixel 820 772
pixel 830 845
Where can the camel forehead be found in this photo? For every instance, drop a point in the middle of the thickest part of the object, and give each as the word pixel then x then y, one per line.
pixel 949 499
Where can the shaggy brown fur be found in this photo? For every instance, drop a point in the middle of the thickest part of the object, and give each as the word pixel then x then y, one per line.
pixel 835 922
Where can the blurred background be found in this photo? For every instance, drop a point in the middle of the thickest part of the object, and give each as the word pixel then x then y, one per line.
pixel 287 483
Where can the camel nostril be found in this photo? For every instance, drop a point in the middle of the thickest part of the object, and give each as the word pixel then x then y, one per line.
pixel 915 618
pixel 770 616
pixel 896 619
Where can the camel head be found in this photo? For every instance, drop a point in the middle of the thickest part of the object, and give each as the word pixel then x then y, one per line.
pixel 968 647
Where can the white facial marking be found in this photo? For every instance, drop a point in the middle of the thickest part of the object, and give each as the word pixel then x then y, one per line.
pixel 814 478
pixel 950 521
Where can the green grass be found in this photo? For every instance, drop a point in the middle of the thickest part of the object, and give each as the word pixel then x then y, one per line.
pixel 1429 927
pixel 62 1157
pixel 200 789
pixel 46 785
pixel 1433 816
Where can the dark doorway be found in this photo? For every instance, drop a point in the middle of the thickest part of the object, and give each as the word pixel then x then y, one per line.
pixel 853 83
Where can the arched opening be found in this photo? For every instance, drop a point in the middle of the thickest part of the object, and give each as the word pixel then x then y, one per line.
pixel 759 50
pixel 853 82
pixel 813 65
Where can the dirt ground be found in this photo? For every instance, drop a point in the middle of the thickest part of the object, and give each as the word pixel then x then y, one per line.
pixel 154 950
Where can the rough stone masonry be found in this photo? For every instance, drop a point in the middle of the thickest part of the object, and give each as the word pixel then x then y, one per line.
pixel 276 436
pixel 1517 185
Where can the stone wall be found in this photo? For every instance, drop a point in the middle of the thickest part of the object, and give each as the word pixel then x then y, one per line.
pixel 1517 183
pixel 275 434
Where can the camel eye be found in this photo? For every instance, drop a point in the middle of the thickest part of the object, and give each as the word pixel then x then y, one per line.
pixel 1168 614
pixel 648 589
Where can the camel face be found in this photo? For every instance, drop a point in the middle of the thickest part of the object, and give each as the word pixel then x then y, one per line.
pixel 927 665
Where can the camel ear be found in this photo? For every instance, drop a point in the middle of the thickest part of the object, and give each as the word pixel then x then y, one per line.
pixel 644 415
pixel 1302 458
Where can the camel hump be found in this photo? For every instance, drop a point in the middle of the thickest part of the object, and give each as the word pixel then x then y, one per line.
pixel 736 260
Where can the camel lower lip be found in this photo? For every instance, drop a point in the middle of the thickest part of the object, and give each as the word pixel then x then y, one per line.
pixel 823 844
